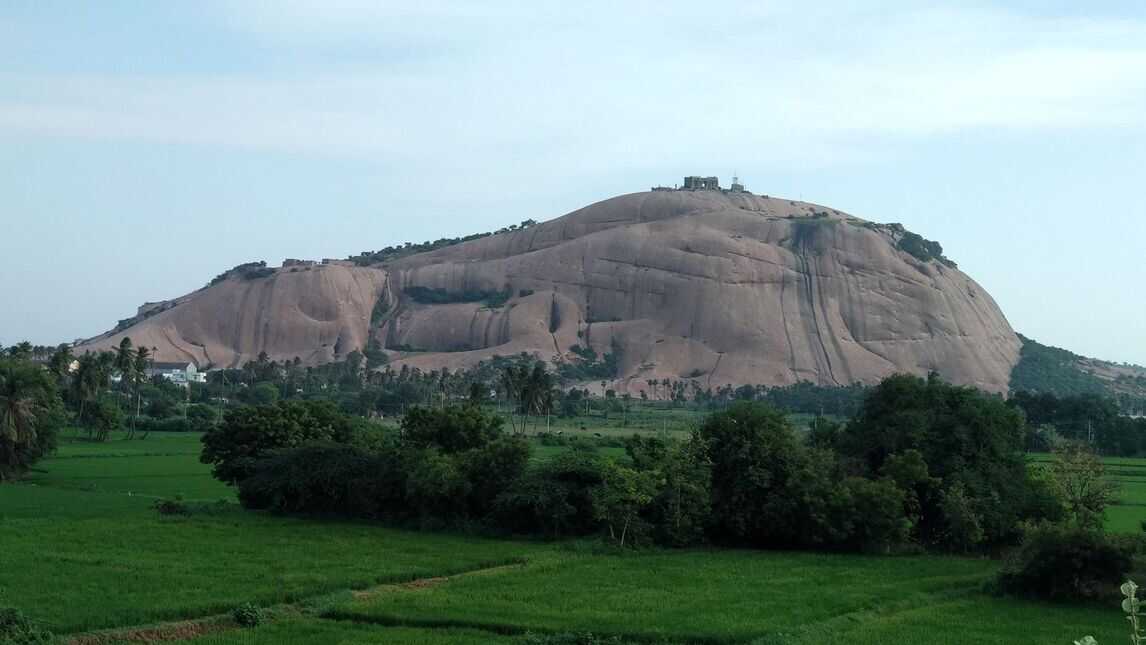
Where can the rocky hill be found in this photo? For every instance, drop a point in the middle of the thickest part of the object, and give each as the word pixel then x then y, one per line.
pixel 709 285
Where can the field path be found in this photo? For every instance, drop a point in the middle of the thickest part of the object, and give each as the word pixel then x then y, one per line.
pixel 179 630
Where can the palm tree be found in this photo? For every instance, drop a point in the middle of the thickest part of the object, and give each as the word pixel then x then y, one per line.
pixel 85 382
pixel 125 361
pixel 91 377
pixel 18 410
pixel 139 363
pixel 21 350
pixel 60 365
pixel 511 380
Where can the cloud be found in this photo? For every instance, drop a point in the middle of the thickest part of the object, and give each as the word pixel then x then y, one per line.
pixel 573 86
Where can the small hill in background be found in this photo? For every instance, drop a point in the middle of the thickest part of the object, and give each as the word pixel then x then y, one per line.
pixel 1043 368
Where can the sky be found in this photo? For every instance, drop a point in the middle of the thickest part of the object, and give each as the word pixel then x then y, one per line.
pixel 147 146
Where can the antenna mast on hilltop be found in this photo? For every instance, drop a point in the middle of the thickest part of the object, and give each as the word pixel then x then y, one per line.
pixel 737 187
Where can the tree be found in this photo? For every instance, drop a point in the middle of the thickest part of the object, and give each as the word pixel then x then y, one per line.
pixel 139 364
pixel 104 416
pixel 452 429
pixel 125 361
pixel 125 365
pixel 971 444
pixel 758 476
pixel 31 413
pixel 1080 480
pixel 622 495
pixel 60 365
pixel 249 433
pixel 92 375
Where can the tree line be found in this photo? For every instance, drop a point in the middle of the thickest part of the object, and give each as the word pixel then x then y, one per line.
pixel 921 463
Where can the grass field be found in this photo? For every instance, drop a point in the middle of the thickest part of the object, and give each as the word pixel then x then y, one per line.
pixel 82 549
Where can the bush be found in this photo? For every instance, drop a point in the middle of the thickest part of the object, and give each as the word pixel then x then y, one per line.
pixel 325 478
pixel 1059 563
pixel 452 429
pixel 247 615
pixel 174 506
pixel 202 417
pixel 18 629
pixel 103 416
pixel 554 498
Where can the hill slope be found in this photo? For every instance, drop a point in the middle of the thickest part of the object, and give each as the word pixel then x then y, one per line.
pixel 705 285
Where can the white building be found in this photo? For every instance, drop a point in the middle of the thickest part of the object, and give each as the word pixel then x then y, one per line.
pixel 179 372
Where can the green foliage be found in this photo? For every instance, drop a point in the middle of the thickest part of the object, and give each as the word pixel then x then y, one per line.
pixel 1079 479
pixel 809 398
pixel 978 488
pixel 245 271
pixel 554 497
pixel 590 367
pixel 389 253
pixel 435 472
pixel 379 311
pixel 824 433
pixel 680 510
pixel 434 296
pixel 324 478
pixel 922 249
pixel 250 432
pixel 247 615
pixel 31 415
pixel 1066 563
pixel 102 417
pixel 624 492
pixel 263 394
pixel 174 506
pixel 18 629
pixel 759 474
pixel 452 429
pixel 202 417
pixel 1092 418
pixel 1042 368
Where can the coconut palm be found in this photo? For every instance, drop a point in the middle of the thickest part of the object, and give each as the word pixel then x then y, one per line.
pixel 60 365
pixel 19 386
pixel 139 361
pixel 125 361
pixel 91 376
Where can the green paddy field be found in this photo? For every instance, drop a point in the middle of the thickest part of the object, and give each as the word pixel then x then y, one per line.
pixel 84 552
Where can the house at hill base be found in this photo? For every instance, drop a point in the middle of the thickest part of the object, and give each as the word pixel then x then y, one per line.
pixel 182 372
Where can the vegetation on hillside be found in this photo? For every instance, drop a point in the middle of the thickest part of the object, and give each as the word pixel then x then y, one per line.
pixel 389 253
pixel 245 271
pixel 1042 368
pixel 427 296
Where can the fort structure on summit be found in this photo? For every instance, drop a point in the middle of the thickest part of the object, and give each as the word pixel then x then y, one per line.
pixel 696 182
pixel 701 183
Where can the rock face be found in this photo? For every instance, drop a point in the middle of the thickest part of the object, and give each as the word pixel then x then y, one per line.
pixel 317 313
pixel 718 288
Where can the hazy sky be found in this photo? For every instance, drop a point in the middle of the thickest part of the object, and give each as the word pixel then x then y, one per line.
pixel 147 146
